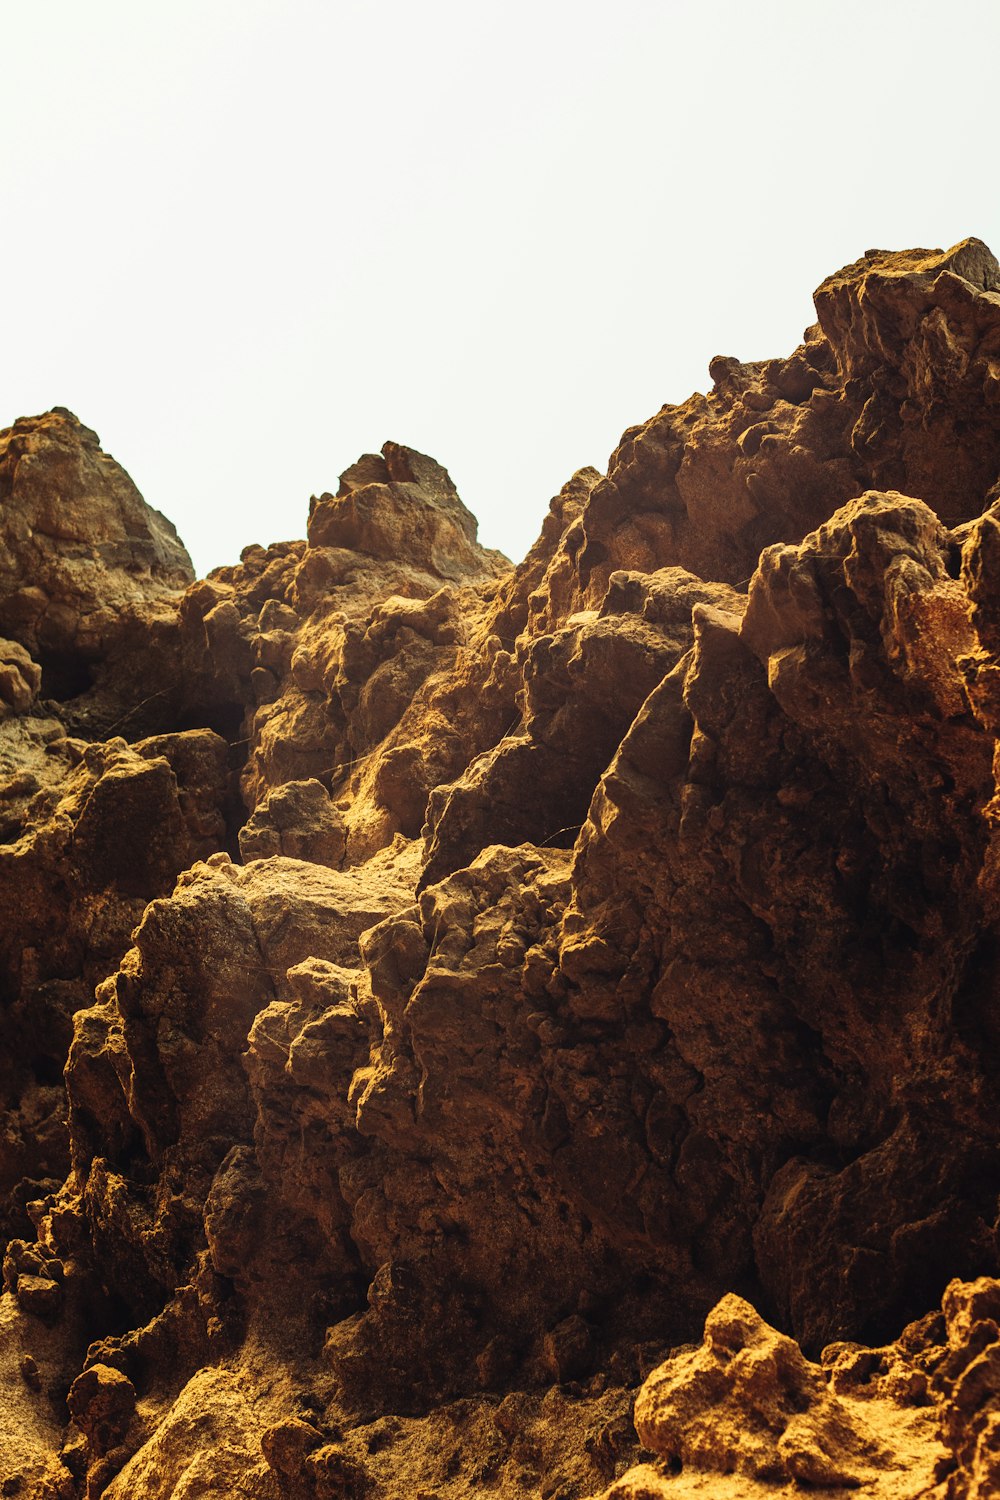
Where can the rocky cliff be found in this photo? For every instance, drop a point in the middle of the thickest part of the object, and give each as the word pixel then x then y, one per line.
pixel 471 1029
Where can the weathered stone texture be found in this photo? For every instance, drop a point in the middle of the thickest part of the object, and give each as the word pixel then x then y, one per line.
pixel 452 986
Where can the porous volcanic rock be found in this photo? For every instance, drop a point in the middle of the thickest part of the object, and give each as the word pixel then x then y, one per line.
pixel 457 984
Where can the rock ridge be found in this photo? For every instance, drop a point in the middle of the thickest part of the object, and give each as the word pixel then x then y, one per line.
pixel 525 1030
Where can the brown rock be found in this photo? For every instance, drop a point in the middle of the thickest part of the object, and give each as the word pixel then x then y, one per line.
pixel 209 1438
pixel 101 1402
pixel 74 880
pixel 20 679
pixel 567 1349
pixel 39 1295
pixel 296 819
pixel 896 387
pixel 80 545
pixel 748 1402
pixel 616 934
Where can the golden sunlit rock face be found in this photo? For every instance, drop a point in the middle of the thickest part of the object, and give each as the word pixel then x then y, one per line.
pixel 519 1031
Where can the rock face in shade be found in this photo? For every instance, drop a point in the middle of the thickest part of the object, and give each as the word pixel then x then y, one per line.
pixel 460 985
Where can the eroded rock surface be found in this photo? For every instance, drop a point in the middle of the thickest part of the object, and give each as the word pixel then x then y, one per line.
pixel 455 985
pixel 918 1417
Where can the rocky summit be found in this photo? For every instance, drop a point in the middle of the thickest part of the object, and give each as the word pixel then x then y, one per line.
pixel 475 1030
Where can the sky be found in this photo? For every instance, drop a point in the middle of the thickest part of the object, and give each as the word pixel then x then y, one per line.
pixel 249 240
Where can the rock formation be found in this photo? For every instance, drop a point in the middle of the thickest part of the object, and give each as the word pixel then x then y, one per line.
pixel 433 992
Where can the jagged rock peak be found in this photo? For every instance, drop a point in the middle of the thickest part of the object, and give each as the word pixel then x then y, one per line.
pixel 400 505
pixel 78 544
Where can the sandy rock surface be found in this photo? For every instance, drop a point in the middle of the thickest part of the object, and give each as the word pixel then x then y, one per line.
pixel 519 1030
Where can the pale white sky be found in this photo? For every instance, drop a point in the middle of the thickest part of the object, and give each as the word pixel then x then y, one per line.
pixel 248 240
